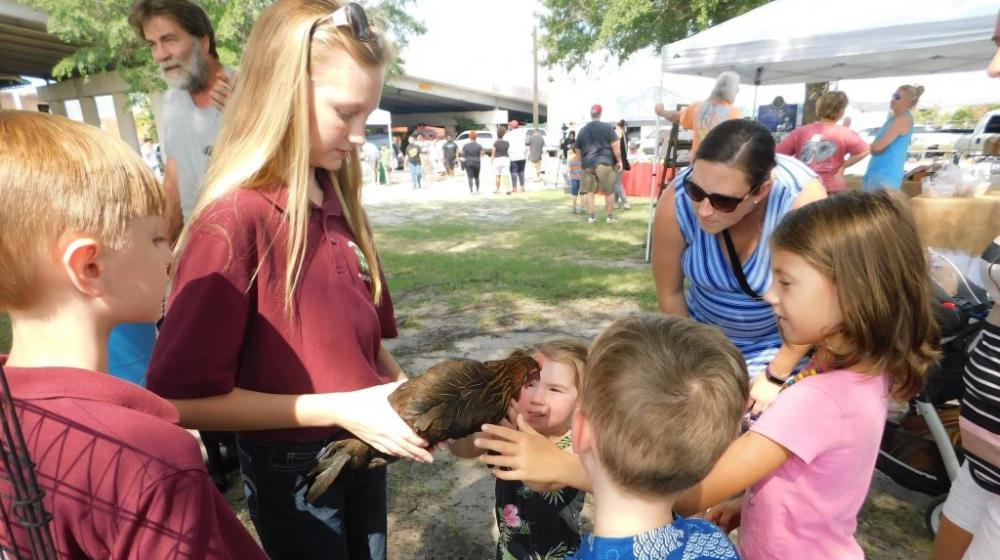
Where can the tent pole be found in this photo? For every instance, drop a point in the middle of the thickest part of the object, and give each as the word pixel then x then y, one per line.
pixel 652 179
pixel 756 86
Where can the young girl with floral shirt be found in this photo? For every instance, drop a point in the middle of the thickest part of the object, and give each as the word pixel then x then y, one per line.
pixel 537 521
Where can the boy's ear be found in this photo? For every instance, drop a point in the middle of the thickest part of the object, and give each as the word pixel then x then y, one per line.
pixel 583 436
pixel 81 262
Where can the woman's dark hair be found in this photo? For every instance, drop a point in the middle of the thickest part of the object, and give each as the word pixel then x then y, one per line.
pixel 501 132
pixel 190 16
pixel 743 144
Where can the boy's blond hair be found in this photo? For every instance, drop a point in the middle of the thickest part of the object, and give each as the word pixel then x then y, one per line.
pixel 664 397
pixel 58 175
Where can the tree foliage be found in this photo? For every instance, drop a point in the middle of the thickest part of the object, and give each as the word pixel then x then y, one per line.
pixel 108 43
pixel 966 115
pixel 573 29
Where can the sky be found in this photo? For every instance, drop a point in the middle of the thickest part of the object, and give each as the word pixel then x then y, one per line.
pixel 479 44
pixel 484 44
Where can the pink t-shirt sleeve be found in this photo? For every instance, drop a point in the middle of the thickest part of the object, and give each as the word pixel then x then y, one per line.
pixel 853 143
pixel 789 145
pixel 803 419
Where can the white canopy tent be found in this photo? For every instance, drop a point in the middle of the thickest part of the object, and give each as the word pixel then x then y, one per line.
pixel 800 41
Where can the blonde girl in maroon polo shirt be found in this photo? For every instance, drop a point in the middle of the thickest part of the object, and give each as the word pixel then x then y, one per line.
pixel 279 304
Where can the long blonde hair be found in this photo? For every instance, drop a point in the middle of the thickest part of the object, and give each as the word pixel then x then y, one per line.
pixel 264 139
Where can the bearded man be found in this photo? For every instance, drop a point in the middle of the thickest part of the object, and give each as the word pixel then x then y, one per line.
pixel 182 42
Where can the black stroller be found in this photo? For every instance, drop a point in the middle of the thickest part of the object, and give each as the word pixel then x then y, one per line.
pixel 921 448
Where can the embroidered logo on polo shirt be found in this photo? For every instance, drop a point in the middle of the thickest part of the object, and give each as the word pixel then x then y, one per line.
pixel 363 271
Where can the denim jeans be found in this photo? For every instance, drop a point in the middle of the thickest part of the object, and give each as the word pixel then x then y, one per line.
pixel 517 172
pixel 416 174
pixel 347 522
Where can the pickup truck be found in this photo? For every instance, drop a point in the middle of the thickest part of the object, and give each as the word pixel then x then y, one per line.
pixel 971 145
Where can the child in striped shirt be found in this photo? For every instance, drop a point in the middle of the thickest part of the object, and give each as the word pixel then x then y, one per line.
pixel 971 521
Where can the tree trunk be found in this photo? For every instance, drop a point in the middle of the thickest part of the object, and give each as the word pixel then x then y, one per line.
pixel 813 93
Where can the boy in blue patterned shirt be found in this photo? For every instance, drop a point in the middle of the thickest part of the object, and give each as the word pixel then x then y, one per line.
pixel 662 398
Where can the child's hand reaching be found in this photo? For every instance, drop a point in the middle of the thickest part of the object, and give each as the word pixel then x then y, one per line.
pixel 530 457
pixel 762 394
pixel 726 515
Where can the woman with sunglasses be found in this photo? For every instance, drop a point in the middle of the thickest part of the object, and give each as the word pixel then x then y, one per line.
pixel 889 150
pixel 711 232
pixel 279 305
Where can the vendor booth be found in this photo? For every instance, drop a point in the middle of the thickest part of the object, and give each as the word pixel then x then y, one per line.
pixel 851 39
pixel 857 39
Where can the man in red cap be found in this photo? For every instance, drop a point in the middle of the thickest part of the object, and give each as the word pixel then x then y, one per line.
pixel 518 139
pixel 598 149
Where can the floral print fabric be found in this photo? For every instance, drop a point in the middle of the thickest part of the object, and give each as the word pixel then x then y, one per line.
pixel 537 525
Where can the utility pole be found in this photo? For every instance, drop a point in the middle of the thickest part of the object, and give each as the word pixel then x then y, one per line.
pixel 534 54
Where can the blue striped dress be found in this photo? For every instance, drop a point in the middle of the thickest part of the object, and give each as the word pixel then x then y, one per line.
pixel 713 294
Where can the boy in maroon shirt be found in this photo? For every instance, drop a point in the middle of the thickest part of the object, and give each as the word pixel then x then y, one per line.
pixel 83 244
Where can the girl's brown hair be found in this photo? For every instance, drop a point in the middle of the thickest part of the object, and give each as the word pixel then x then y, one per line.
pixel 868 244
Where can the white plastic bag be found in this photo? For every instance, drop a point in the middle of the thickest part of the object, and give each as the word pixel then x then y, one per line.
pixel 952 180
pixel 942 184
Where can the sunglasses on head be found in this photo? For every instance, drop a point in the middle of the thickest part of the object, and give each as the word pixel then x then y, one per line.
pixel 720 202
pixel 351 16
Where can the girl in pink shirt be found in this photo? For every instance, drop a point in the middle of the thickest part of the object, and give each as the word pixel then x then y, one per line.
pixel 850 278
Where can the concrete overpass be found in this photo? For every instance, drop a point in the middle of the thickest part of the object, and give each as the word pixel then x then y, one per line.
pixel 411 97
pixel 26 48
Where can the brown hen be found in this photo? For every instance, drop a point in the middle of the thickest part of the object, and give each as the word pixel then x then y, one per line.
pixel 450 400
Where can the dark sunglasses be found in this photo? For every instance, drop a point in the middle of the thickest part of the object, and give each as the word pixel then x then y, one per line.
pixel 351 16
pixel 896 96
pixel 720 202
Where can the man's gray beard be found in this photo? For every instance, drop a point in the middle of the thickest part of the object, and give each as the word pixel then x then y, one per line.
pixel 195 75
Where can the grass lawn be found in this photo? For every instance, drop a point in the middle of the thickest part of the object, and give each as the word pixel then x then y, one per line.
pixel 490 256
pixel 4 333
